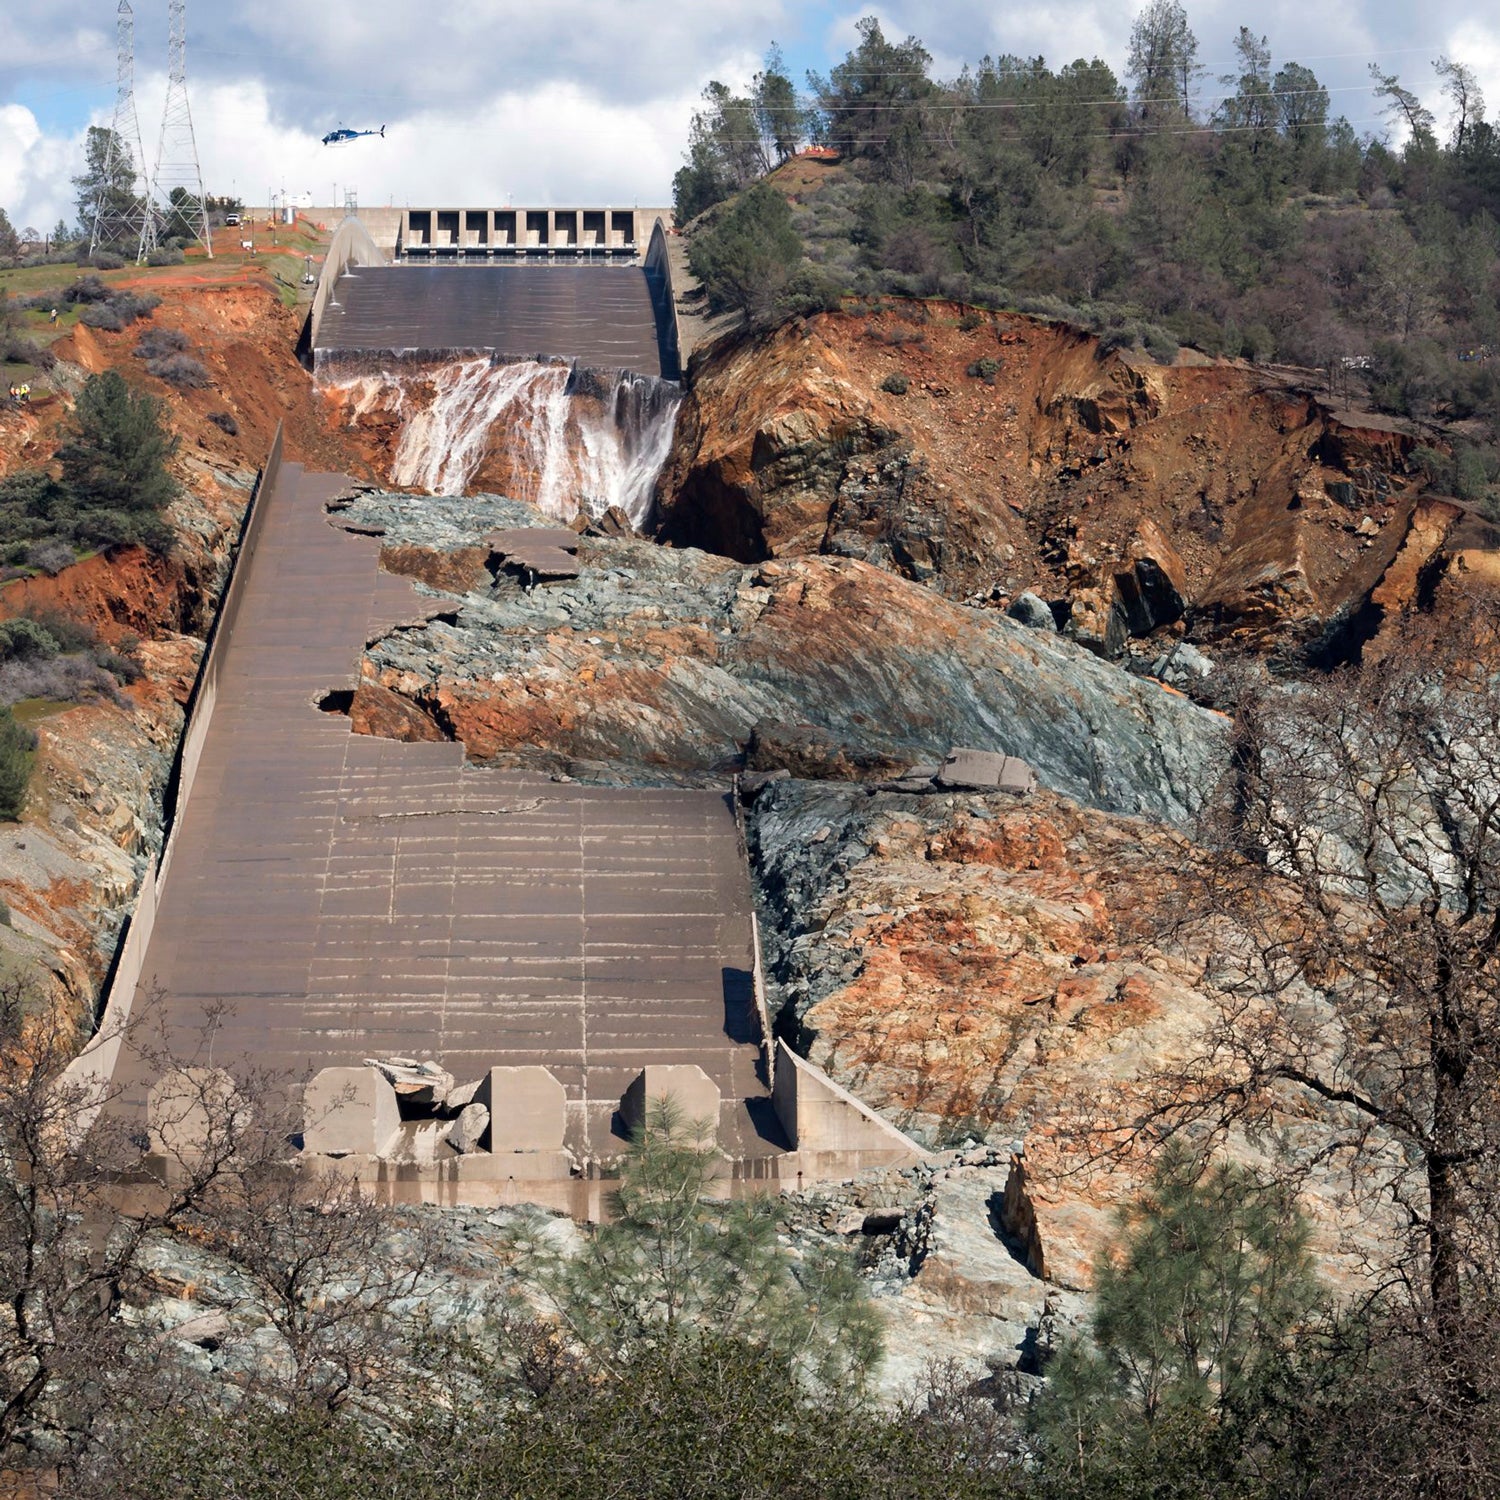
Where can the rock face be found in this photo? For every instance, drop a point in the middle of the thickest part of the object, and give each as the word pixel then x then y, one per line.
pixel 1214 499
pixel 982 969
pixel 71 867
pixel 674 662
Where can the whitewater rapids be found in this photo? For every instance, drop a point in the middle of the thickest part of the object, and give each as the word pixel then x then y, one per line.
pixel 573 441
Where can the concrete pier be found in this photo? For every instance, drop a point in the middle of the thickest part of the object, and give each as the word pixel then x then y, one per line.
pixel 436 233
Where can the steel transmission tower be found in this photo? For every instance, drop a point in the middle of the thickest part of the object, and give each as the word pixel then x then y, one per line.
pixel 123 215
pixel 177 169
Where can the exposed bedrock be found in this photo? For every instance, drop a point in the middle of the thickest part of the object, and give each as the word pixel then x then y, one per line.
pixel 670 661
pixel 1011 455
pixel 986 968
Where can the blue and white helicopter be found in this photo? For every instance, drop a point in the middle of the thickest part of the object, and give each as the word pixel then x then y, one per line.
pixel 342 136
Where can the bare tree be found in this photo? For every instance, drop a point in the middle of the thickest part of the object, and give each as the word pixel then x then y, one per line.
pixel 1353 882
pixel 331 1271
pixel 1462 88
pixel 75 1216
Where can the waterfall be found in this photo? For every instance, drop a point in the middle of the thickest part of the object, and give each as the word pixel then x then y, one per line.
pixel 568 440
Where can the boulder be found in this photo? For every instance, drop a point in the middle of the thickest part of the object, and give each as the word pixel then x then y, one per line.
pixel 1033 612
pixel 1183 666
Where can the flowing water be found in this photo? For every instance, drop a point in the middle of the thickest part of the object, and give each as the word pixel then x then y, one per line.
pixel 567 440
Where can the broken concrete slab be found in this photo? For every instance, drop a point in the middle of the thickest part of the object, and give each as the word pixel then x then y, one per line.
pixel 468 1130
pixel 986 771
pixel 416 1083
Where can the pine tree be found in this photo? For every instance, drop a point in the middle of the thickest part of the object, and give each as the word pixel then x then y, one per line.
pixel 107 182
pixel 747 258
pixel 675 1268
pixel 115 450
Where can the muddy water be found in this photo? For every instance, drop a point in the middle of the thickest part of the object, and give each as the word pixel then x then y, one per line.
pixel 569 441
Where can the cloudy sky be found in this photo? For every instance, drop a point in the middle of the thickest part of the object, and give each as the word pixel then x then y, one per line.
pixel 538 101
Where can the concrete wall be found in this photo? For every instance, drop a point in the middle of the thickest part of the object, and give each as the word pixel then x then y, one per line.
pixel 93 1068
pixel 659 275
pixel 831 1133
pixel 352 245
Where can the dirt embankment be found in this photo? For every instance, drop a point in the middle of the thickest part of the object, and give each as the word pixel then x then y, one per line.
pixel 992 455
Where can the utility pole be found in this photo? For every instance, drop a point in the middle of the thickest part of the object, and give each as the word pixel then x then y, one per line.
pixel 177 168
pixel 119 220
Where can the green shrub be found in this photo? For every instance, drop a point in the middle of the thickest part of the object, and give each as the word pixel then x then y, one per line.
pixel 1124 336
pixel 158 343
pixel 1257 343
pixel 17 752
pixel 896 383
pixel 70 635
pixel 86 289
pixel 970 321
pixel 16 349
pixel 984 369
pixel 1160 344
pixel 103 316
pixel 51 556
pixel 25 640
pixel 809 291
pixel 181 370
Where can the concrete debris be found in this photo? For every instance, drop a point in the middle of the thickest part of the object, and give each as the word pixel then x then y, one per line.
pixel 463 1094
pixel 415 1082
pixel 984 770
pixel 1182 666
pixel 469 1129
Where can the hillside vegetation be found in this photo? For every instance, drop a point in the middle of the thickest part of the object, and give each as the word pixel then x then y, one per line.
pixel 1237 215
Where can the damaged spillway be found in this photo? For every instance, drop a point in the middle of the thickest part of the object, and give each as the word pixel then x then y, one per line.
pixel 569 440
pixel 547 383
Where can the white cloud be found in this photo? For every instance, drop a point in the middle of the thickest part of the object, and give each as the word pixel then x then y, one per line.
pixel 551 142
pixel 34 171
pixel 536 100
